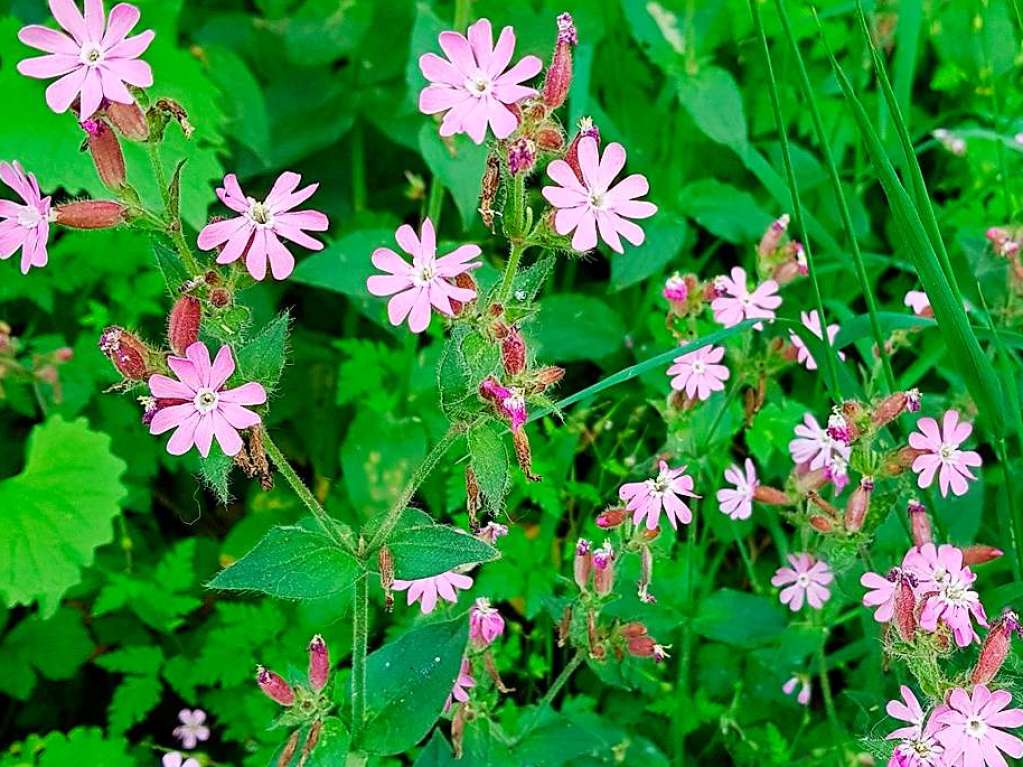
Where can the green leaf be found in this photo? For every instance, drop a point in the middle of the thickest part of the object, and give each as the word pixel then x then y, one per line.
pixel 135 697
pixel 665 235
pixel 83 746
pixel 712 99
pixel 344 265
pixel 55 649
pixel 422 551
pixel 291 563
pixel 739 619
pixel 408 681
pixel 262 359
pixel 215 473
pixel 138 659
pixel 458 163
pixel 379 455
pixel 724 210
pixel 574 327
pixel 322 31
pixel 57 511
pixel 488 456
pixel 772 428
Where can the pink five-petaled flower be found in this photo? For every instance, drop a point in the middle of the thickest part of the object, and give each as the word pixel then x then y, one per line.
pixel 942 455
pixel 201 407
pixel 647 498
pixel 971 728
pixel 944 585
pixel 193 727
pixel 94 60
pixel 472 85
pixel 735 303
pixel 485 622
pixel 175 759
pixel 803 682
pixel 815 447
pixel 255 233
pixel 463 683
pixel 24 226
pixel 426 590
pixel 737 502
pixel 591 204
pixel 918 746
pixel 807 580
pixel 699 373
pixel 812 322
pixel 881 593
pixel 429 281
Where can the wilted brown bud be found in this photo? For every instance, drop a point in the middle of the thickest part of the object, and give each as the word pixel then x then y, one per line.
pixel 289 750
pixel 979 554
pixel 919 523
pixel 564 625
pixel 106 153
pixel 646 575
pixel 385 563
pixel 458 722
pixel 466 282
pixel 858 505
pixel 996 648
pixel 771 496
pixel 310 742
pixel 90 214
pixel 473 498
pixel 513 352
pixel 128 353
pixel 494 674
pixel 612 518
pixel 597 650
pixel 220 297
pixel 524 454
pixel 176 112
pixel 183 324
pixel 814 497
pixel 489 185
pixel 543 378
pixel 129 119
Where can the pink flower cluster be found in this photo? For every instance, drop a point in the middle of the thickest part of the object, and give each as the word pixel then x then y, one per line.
pixel 817 448
pixel 24 225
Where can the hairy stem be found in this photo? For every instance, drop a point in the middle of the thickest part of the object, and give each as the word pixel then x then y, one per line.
pixel 510 270
pixel 171 222
pixel 360 641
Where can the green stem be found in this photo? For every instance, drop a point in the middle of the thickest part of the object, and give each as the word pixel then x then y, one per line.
pixel 359 192
pixel 829 701
pixel 360 643
pixel 510 270
pixel 178 238
pixel 552 693
pixel 158 171
pixel 746 560
pixel 435 202
pixel 171 223
pixel 463 13
pixel 1015 512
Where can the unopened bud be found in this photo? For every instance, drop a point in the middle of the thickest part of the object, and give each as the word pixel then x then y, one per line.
pixel 995 648
pixel 676 293
pixel 466 282
pixel 274 686
pixel 129 354
pixel 221 297
pixel 521 156
pixel 582 566
pixel 787 271
pixel 771 239
pixel 183 324
pixel 106 153
pixel 90 214
pixel 524 454
pixel 611 518
pixel 604 569
pixel 129 119
pixel 586 128
pixel 814 497
pixel 905 457
pixel 919 523
pixel 821 524
pixel 549 138
pixel 319 664
pixel 979 554
pixel 904 615
pixel 513 352
pixel 771 496
pixel 458 722
pixel 542 379
pixel 559 73
pixel 809 480
pixel 858 505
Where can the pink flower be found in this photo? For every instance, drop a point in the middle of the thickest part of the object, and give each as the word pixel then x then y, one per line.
pixel 737 503
pixel 485 623
pixel 803 682
pixel 472 85
pixel 943 453
pixel 426 282
pixel 919 746
pixel 918 301
pixel 174 759
pixel 648 498
pixel 491 531
pixel 906 710
pixel 807 579
pixel 881 593
pixel 202 408
pixel 24 226
pixel 510 403
pixel 463 683
pixel 698 373
pixel 812 322
pixel 95 59
pixel 815 447
pixel 590 204
pixel 426 590
pixel 735 303
pixel 971 728
pixel 255 233
pixel 192 728
pixel 944 586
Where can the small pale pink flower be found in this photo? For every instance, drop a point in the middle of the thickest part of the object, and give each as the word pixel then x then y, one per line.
pixel 807 580
pixel 815 447
pixel 193 727
pixel 973 728
pixel 735 303
pixel 202 407
pixel 485 623
pixel 812 322
pixel 24 225
pixel 737 502
pixel 427 282
pixel 255 233
pixel 463 683
pixel 647 499
pixel 919 746
pixel 94 60
pixel 906 710
pixel 473 85
pixel 881 593
pixel 175 759
pixel 698 373
pixel 427 590
pixel 802 681
pixel 589 204
pixel 918 301
pixel 491 531
pixel 943 456
pixel 944 586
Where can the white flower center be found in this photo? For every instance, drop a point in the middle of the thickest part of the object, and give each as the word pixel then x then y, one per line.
pixel 29 217
pixel 976 728
pixel 205 400
pixel 91 54
pixel 479 86
pixel 424 274
pixel 699 367
pixel 946 451
pixel 659 485
pixel 803 580
pixel 598 200
pixel 260 214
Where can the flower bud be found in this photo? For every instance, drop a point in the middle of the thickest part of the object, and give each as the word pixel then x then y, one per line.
pixel 485 623
pixel 611 518
pixel 521 156
pixel 524 454
pixel 90 214
pixel 542 379
pixel 858 505
pixel 129 119
pixel 604 569
pixel 995 648
pixel 807 481
pixel 466 282
pixel 814 497
pixel 979 554
pixel 821 524
pixel 221 297
pixel 513 352
pixel 904 615
pixel 274 686
pixel 473 497
pixel 646 647
pixel 676 293
pixel 183 324
pixel 106 153
pixel 586 128
pixel 788 271
pixel 583 564
pixel 129 354
pixel 771 239
pixel 549 137
pixel 919 523
pixel 319 664
pixel 890 408
pixel 559 73
pixel 771 496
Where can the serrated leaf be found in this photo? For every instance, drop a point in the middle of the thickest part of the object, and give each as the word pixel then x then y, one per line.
pixel 262 359
pixel 291 563
pixel 141 659
pixel 215 473
pixel 54 648
pixel 57 511
pixel 422 551
pixel 135 697
pixel 488 456
pixel 408 681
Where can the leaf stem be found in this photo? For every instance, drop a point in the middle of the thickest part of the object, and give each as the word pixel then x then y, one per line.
pixel 171 223
pixel 822 670
pixel 510 270
pixel 360 642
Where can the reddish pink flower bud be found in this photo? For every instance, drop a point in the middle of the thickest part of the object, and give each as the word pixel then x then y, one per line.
pixel 559 74
pixel 319 664
pixel 106 153
pixel 919 523
pixel 583 564
pixel 513 352
pixel 611 518
pixel 220 297
pixel 129 354
pixel 890 408
pixel 521 156
pixel 549 138
pixel 586 128
pixel 772 237
pixel 858 505
pixel 676 293
pixel 821 524
pixel 996 647
pixel 129 119
pixel 979 554
pixel 771 496
pixel 508 402
pixel 274 686
pixel 604 569
pixel 90 214
pixel 183 324
pixel 905 607
pixel 485 623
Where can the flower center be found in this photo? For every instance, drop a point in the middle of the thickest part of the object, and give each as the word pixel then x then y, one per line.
pixel 478 86
pixel 976 728
pixel 699 367
pixel 205 401
pixel 29 217
pixel 424 275
pixel 260 213
pixel 91 54
pixel 598 200
pixel 946 451
pixel 803 580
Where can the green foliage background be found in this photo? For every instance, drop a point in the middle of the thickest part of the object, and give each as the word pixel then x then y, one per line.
pixel 106 542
